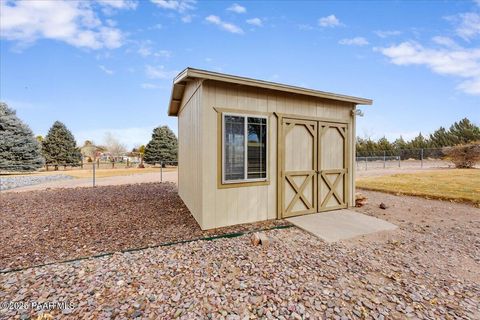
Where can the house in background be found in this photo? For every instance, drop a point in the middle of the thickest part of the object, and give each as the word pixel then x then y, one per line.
pixel 252 150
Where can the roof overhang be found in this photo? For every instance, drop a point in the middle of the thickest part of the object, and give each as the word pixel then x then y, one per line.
pixel 189 74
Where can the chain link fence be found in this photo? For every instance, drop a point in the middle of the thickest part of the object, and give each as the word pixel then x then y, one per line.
pixel 90 174
pixel 403 158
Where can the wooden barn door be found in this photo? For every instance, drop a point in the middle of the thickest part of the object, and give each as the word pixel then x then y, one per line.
pixel 298 143
pixel 332 164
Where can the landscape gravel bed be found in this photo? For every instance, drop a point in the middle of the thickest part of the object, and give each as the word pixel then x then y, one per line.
pixel 428 268
pixel 297 277
pixel 12 182
pixel 53 225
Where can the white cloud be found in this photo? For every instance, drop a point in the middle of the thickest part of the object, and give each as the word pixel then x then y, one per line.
pixel 163 54
pixel 176 5
pixel 187 19
pixel 305 27
pixel 357 41
pixel 387 33
pixel 470 86
pixel 329 21
pixel 255 22
pixel 73 22
pixel 445 41
pixel 237 8
pixel 468 25
pixel 148 85
pixel 224 25
pixel 213 19
pixel 460 62
pixel 106 70
pixel 111 23
pixel 119 4
pixel 159 72
pixel 145 50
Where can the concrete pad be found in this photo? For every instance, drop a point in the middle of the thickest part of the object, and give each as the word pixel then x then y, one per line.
pixel 338 225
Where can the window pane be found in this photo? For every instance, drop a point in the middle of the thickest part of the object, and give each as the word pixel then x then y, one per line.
pixel 257 148
pixel 234 148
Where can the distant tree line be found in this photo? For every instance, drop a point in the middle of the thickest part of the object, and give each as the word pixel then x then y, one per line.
pixel 459 133
pixel 20 150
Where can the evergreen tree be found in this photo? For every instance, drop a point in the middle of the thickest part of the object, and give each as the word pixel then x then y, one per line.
pixel 461 132
pixel 60 148
pixel 418 142
pixel 162 147
pixel 440 138
pixel 366 146
pixel 464 131
pixel 400 143
pixel 384 145
pixel 19 150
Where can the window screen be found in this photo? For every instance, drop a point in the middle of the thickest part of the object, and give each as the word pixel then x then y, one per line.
pixel 234 148
pixel 244 148
pixel 256 148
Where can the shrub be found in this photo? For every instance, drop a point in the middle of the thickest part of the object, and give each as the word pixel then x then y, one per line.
pixel 464 155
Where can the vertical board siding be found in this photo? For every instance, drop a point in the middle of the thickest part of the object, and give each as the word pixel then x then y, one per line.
pixel 221 207
pixel 189 149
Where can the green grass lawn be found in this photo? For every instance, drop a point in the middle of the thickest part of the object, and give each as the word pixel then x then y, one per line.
pixel 460 185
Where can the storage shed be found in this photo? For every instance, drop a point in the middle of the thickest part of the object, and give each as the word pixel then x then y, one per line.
pixel 252 150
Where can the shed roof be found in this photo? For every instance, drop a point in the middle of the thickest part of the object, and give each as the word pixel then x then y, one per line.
pixel 188 74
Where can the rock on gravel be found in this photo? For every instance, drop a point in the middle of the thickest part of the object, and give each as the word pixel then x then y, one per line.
pixel 428 268
pixel 9 182
pixel 297 277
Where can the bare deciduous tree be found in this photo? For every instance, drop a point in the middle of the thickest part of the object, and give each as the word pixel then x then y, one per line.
pixel 114 147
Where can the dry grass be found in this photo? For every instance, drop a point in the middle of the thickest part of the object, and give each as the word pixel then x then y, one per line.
pixel 99 173
pixel 460 185
pixel 104 173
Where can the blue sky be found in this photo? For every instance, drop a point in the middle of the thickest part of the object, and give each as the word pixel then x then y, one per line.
pixel 107 66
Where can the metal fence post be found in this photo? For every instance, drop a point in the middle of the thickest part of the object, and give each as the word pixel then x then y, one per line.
pixel 161 171
pixel 384 159
pixel 421 158
pixel 93 166
pixel 366 166
pixel 399 158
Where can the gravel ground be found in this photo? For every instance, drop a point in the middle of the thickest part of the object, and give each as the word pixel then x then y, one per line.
pixel 104 181
pixel 7 183
pixel 53 225
pixel 429 268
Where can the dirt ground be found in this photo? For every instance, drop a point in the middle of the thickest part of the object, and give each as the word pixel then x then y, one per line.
pixel 53 225
pixel 441 236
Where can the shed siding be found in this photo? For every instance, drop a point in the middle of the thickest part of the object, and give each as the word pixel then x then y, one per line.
pixel 229 206
pixel 189 153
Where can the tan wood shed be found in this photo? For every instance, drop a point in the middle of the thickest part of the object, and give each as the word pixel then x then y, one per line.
pixel 252 150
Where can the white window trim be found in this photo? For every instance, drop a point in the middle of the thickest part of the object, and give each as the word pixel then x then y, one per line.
pixel 245 116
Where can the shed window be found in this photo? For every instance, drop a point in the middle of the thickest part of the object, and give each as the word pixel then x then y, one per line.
pixel 244 148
